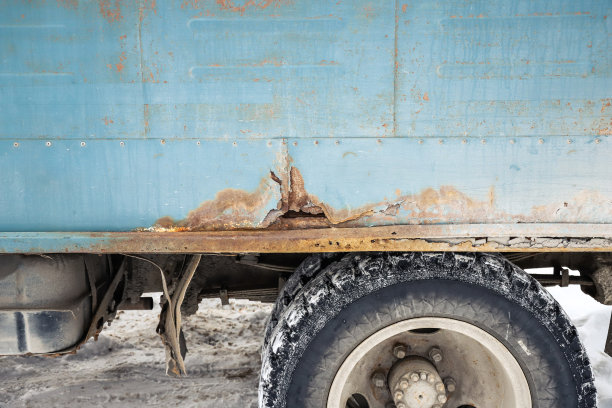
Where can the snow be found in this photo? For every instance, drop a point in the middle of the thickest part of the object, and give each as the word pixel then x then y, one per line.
pixel 125 367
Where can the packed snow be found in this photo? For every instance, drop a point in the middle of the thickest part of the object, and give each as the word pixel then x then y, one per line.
pixel 125 367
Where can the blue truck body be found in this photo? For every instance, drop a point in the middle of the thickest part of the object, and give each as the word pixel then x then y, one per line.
pixel 123 119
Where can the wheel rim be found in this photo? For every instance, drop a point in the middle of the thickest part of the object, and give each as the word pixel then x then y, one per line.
pixel 477 370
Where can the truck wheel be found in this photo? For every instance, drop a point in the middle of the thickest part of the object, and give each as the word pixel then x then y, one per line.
pixel 423 330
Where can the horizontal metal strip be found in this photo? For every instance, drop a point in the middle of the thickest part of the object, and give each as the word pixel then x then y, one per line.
pixel 453 237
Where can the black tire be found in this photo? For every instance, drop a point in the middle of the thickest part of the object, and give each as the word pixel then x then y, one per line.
pixel 354 297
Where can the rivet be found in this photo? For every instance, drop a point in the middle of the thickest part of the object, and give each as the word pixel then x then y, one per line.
pixel 569 141
pixel 48 144
pixel 198 143
pixel 295 143
pixel 15 144
pixel 234 144
pixel 121 144
pixel 441 141
pixel 483 141
pixel 464 141
pixel 316 142
pixel 512 141
pixel 163 141
pixel 541 141
pixel 420 141
pixel 378 141
pixel 337 142
pixel 597 141
pixel 83 144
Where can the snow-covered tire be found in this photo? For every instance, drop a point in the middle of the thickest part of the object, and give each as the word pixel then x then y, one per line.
pixel 307 270
pixel 351 298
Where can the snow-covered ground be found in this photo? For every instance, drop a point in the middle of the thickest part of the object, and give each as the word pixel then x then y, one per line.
pixel 125 367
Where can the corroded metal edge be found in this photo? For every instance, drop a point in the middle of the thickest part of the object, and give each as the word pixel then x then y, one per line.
pixel 471 237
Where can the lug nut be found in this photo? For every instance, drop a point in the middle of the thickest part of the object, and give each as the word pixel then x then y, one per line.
pixel 431 378
pixel 440 387
pixel 424 376
pixel 404 385
pixel 435 354
pixel 400 350
pixel 378 379
pixel 451 385
pixel 442 398
pixel 398 396
pixel 414 377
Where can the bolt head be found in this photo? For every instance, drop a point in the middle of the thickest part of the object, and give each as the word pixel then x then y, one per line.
pixel 451 385
pixel 404 385
pixel 378 379
pixel 442 398
pixel 440 387
pixel 424 376
pixel 400 350
pixel 414 377
pixel 435 354
pixel 398 395
pixel 431 378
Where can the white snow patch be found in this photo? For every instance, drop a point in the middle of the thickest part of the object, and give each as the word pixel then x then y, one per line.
pixel 592 320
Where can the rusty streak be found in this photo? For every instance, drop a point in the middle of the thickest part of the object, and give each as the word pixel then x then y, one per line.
pixel 500 238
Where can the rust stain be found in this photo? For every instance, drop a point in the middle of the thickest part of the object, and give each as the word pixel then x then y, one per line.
pixel 146 115
pixel 299 200
pixel 107 120
pixel 110 10
pixel 298 209
pixel 230 5
pixel 404 7
pixel 230 209
pixel 425 97
pixel 145 6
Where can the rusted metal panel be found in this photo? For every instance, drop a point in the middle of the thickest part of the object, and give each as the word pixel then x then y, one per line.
pixel 483 237
pixel 218 115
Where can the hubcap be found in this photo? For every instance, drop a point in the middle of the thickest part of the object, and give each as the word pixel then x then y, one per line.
pixel 415 383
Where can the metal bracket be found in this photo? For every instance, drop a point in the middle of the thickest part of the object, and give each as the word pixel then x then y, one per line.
pixel 224 297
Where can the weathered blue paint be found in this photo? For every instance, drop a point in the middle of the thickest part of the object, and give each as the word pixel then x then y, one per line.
pixel 116 115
